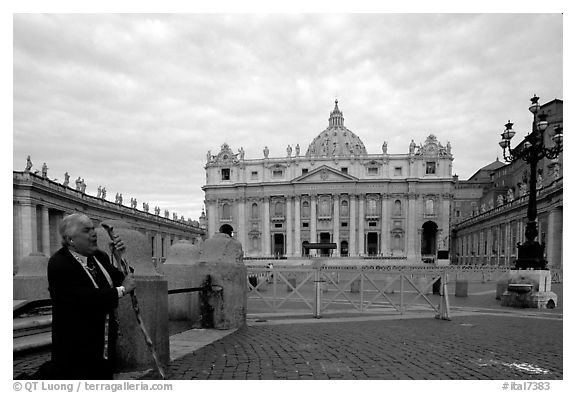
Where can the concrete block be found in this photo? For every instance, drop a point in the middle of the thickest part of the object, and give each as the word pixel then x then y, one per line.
pixel 461 288
pixel 31 281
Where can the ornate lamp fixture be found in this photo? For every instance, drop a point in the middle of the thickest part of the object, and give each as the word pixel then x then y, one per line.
pixel 531 253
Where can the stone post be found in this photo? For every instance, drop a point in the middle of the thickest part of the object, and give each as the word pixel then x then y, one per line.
pixel 180 273
pixel 152 294
pixel 222 259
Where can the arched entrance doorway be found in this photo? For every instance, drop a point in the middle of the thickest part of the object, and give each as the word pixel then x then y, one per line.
pixel 324 238
pixel 344 248
pixel 429 230
pixel 305 251
pixel 372 243
pixel 278 245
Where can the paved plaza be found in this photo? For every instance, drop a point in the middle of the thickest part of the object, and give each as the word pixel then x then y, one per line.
pixel 482 341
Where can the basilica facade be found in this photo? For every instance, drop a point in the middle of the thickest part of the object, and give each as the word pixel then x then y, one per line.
pixel 379 205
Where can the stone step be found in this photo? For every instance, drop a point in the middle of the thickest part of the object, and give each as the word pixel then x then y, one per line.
pixel 31 325
pixel 32 342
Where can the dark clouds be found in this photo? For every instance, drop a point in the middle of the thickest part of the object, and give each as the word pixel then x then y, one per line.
pixel 133 102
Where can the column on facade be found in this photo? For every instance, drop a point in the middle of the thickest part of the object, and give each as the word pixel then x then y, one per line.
pixel 352 250
pixel 266 251
pixel 411 228
pixel 45 231
pixel 488 242
pixel 241 230
pixel 212 213
pixel 289 233
pixel 385 244
pixel 297 228
pixel 446 219
pixel 336 220
pixel 361 221
pixel 554 239
pixel 313 239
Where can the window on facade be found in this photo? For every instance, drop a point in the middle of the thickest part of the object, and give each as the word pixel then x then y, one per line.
pixel 344 224
pixel 344 208
pixel 371 224
pixel 226 211
pixel 225 173
pixel 398 171
pixel 278 209
pixel 344 170
pixel 372 170
pixel 277 225
pixel 305 225
pixel 430 168
pixel 152 239
pixel 429 207
pixel 397 208
pixel 305 209
pixel 304 171
pixel 276 173
pixel 457 213
pixel 254 210
pixel 254 175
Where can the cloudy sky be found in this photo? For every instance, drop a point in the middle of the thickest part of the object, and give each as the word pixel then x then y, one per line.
pixel 134 102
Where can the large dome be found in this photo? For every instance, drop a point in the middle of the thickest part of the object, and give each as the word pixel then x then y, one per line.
pixel 336 140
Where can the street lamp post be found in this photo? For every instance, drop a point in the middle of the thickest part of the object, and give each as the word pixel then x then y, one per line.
pixel 531 253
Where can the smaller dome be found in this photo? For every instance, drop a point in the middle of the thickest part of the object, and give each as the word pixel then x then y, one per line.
pixel 336 140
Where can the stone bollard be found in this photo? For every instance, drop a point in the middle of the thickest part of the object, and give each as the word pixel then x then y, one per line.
pixel 461 288
pixel 422 284
pixel 179 271
pixel 291 281
pixel 152 294
pixel 502 285
pixel 355 286
pixel 31 281
pixel 387 284
pixel 221 257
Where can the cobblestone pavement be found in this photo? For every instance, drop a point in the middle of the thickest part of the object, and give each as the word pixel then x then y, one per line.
pixel 468 347
pixel 482 341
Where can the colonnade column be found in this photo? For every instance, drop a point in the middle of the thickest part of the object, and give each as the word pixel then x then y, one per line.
pixel 554 238
pixel 385 236
pixel 297 227
pixel 29 228
pixel 266 251
pixel 241 230
pixel 45 231
pixel 336 220
pixel 313 222
pixel 289 234
pixel 361 220
pixel 352 241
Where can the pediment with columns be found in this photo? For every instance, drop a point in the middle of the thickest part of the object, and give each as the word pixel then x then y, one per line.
pixel 324 174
